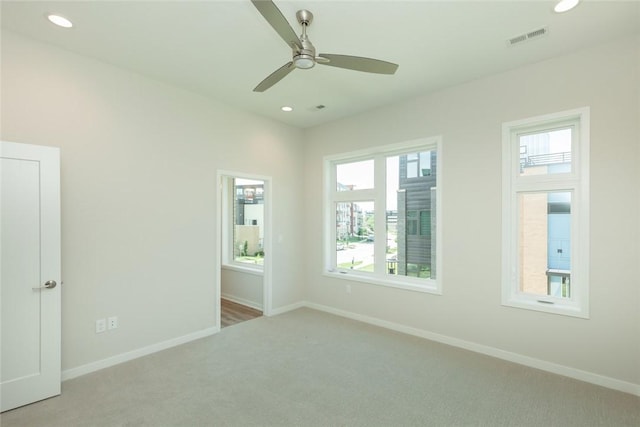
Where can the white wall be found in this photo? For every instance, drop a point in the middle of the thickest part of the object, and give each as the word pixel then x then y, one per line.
pixel 469 118
pixel 139 161
pixel 241 287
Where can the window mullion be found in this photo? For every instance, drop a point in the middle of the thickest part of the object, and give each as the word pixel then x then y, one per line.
pixel 532 186
pixel 354 196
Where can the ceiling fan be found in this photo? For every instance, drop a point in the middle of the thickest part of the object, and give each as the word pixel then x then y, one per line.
pixel 304 53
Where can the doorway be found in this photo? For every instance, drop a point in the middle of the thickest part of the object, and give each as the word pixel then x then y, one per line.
pixel 243 289
pixel 232 313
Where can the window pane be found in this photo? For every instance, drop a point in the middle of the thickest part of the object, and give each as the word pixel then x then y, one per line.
pixel 544 232
pixel 354 176
pixel 545 152
pixel 425 223
pixel 425 163
pixel 412 168
pixel 417 164
pixel 410 225
pixel 355 235
pixel 392 195
pixel 248 228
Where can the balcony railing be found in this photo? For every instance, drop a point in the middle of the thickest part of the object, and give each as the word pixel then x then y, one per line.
pixel 545 159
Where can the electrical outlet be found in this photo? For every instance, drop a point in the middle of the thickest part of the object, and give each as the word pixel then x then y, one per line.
pixel 101 325
pixel 112 322
pixel 348 289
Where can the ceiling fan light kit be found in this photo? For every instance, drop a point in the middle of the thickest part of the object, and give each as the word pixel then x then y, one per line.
pixel 304 53
pixel 304 62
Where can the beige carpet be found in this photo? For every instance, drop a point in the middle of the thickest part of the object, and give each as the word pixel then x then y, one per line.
pixel 308 368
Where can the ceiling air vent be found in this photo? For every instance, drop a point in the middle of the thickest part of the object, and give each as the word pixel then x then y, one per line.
pixel 528 36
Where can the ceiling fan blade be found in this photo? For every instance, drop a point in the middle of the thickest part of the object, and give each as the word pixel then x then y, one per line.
pixel 279 23
pixel 358 63
pixel 275 77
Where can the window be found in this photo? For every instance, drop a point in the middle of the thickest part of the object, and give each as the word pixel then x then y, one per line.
pixel 419 223
pixel 412 223
pixel 425 223
pixel 545 213
pixel 357 175
pixel 382 225
pixel 418 164
pixel 243 204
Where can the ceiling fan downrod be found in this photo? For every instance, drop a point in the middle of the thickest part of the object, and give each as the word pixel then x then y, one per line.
pixel 304 58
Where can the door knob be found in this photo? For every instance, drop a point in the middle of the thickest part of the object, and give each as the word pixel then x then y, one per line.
pixel 49 284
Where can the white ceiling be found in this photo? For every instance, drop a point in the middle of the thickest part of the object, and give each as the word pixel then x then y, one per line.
pixel 223 49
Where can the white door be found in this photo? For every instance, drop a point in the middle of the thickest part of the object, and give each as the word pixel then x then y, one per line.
pixel 29 273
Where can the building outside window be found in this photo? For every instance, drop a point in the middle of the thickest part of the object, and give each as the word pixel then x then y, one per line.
pixel 415 201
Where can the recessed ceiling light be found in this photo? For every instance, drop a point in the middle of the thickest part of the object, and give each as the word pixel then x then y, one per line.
pixel 60 21
pixel 286 108
pixel 565 5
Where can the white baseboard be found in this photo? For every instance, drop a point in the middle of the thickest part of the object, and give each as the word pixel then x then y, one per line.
pixel 290 307
pixel 242 301
pixel 543 365
pixel 71 373
pixel 555 368
pixel 125 357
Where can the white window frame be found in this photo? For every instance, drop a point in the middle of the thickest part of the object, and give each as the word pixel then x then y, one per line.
pixel 576 182
pixel 227 206
pixel 378 196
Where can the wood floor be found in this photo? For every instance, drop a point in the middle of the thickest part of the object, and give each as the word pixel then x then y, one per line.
pixel 232 313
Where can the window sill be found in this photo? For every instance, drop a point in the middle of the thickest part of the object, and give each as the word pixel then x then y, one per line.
pixel 430 286
pixel 543 305
pixel 242 269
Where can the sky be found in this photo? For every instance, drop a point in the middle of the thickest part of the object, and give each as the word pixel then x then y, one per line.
pixel 361 176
